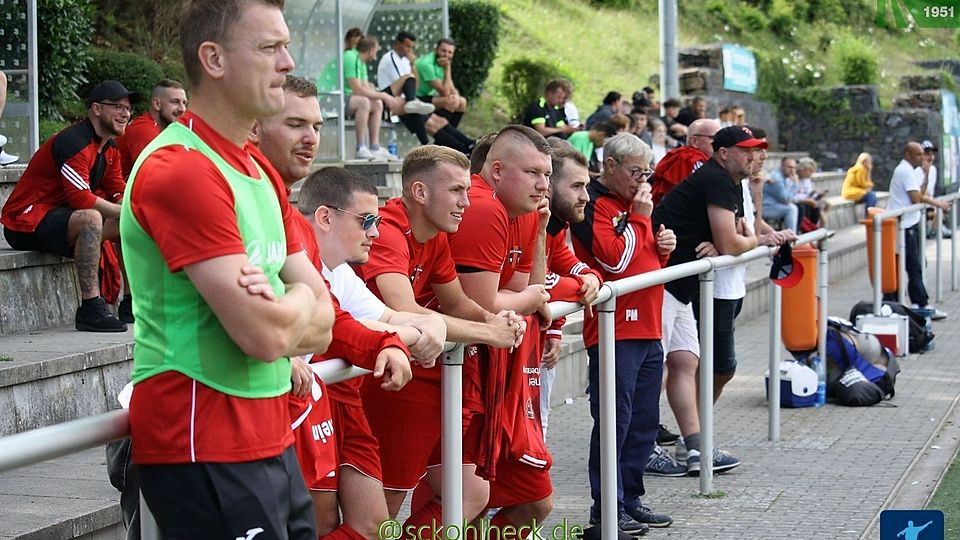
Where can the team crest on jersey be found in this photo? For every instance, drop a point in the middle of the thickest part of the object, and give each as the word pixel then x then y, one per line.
pixel 513 256
pixel 620 223
pixel 415 275
pixel 528 407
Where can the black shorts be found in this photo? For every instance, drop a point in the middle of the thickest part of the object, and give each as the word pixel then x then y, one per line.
pixel 230 500
pixel 50 235
pixel 724 321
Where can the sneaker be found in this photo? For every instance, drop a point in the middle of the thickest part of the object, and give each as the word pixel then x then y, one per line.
pixel 593 533
pixel 381 154
pixel 125 309
pixel 625 523
pixel 364 153
pixel 418 107
pixel 722 461
pixel 661 463
pixel 938 314
pixel 95 317
pixel 643 514
pixel 7 159
pixel 665 437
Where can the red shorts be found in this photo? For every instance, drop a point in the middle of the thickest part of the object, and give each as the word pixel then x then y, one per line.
pixel 313 436
pixel 356 445
pixel 517 483
pixel 472 431
pixel 408 430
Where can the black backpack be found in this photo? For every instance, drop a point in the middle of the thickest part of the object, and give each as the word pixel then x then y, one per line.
pixel 852 380
pixel 920 335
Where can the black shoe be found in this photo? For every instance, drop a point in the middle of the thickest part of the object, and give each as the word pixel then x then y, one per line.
pixel 643 514
pixel 625 523
pixel 125 309
pixel 665 438
pixel 593 533
pixel 93 316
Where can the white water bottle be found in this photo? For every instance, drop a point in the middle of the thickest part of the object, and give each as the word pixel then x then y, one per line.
pixel 392 144
pixel 819 367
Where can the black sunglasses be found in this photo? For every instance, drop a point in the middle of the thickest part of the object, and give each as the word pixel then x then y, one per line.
pixel 366 220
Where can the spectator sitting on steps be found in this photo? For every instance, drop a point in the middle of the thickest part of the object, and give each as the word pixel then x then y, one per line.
pixel 68 200
pixel 435 71
pixel 5 158
pixel 609 107
pixel 395 76
pixel 365 102
pixel 858 186
pixel 168 101
pixel 546 114
pixel 778 193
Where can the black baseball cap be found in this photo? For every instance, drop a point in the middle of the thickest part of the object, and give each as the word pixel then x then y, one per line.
pixel 736 136
pixel 786 271
pixel 928 146
pixel 111 90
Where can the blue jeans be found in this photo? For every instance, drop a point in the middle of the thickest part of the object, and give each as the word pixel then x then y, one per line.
pixel 916 289
pixel 869 199
pixel 787 212
pixel 639 371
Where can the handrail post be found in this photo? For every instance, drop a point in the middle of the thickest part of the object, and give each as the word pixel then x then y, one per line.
pixel 451 446
pixel 953 246
pixel 606 312
pixel 149 530
pixel 706 381
pixel 901 262
pixel 938 269
pixel 922 245
pixel 773 382
pixel 877 266
pixel 824 279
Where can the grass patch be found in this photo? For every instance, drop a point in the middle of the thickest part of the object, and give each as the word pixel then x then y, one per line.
pixel 947 499
pixel 719 494
pixel 6 358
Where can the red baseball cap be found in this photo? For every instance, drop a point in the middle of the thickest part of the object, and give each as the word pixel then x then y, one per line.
pixel 737 136
pixel 786 270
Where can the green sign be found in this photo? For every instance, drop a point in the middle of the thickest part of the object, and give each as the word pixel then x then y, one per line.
pixel 739 69
pixel 923 13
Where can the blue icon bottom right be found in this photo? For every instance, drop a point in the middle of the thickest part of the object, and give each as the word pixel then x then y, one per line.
pixel 911 525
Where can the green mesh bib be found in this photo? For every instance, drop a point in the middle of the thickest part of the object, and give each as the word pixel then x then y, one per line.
pixel 176 330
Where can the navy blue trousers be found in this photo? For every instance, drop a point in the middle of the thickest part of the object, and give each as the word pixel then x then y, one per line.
pixel 639 372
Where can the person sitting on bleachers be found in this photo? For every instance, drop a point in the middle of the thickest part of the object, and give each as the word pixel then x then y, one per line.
pixel 778 192
pixel 662 143
pixel 395 76
pixel 590 144
pixel 609 107
pixel 639 123
pixel 435 71
pixel 810 202
pixel 365 102
pixel 5 158
pixel 68 200
pixel 857 185
pixel 546 113
pixel 168 101
pixel 697 109
pixel 645 100
pixel 671 109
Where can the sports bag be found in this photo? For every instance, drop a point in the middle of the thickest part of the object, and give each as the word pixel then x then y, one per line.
pixel 920 335
pixel 852 379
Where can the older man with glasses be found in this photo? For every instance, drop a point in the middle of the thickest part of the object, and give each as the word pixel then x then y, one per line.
pixel 68 200
pixel 618 240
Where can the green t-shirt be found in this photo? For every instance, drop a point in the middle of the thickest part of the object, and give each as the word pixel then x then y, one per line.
pixel 428 70
pixel 327 81
pixel 353 68
pixel 581 141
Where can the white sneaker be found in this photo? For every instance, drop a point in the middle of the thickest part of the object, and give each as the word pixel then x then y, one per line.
pixel 381 154
pixel 3 141
pixel 7 159
pixel 364 153
pixel 418 107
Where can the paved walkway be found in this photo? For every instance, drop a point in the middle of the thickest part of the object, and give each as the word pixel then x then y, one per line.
pixel 832 471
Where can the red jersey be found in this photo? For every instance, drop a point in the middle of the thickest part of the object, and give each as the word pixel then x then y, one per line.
pixel 678 164
pixel 397 251
pixel 135 138
pixel 69 170
pixel 564 271
pixel 176 419
pixel 619 243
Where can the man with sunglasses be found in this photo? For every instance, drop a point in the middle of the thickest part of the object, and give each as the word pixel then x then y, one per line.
pixel 68 200
pixel 618 240
pixel 680 163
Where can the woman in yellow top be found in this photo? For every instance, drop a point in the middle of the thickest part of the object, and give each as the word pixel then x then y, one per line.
pixel 858 186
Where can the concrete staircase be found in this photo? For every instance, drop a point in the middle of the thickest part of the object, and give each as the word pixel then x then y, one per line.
pixel 50 373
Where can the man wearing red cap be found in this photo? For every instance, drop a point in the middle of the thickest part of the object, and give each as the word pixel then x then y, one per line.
pixel 707 212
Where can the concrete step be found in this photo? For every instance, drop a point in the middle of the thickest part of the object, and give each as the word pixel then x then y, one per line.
pixel 845 213
pixel 831 182
pixel 9 176
pixel 37 291
pixel 59 374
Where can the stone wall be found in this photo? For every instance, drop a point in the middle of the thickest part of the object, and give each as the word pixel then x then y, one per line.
pixel 836 140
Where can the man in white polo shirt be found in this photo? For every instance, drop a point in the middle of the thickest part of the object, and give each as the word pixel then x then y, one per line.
pixel 396 76
pixel 905 190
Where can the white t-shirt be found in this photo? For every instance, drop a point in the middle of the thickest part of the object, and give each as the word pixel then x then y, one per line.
pixel 572 113
pixel 392 66
pixel 931 179
pixel 730 283
pixel 904 180
pixel 353 294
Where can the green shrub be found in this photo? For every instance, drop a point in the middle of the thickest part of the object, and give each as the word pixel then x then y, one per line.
pixel 137 73
pixel 753 19
pixel 827 10
pixel 615 4
pixel 475 26
pixel 782 18
pixel 63 34
pixel 856 61
pixel 722 12
pixel 524 80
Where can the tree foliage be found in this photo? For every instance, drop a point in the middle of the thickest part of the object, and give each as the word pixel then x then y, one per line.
pixel 63 34
pixel 475 26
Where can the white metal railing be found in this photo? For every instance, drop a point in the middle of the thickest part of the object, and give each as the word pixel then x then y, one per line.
pixel 54 441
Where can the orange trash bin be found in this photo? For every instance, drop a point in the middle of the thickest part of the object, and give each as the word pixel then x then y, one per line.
pixel 888 252
pixel 798 310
